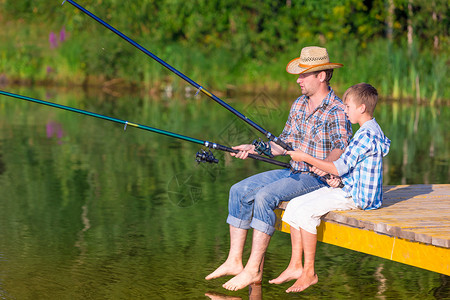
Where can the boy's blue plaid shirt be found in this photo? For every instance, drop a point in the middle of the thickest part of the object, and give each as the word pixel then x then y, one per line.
pixel 327 128
pixel 361 165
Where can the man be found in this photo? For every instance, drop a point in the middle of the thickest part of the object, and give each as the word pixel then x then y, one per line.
pixel 316 125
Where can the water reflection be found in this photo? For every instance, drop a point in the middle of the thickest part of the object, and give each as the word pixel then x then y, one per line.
pixel 98 212
pixel 254 293
pixel 81 243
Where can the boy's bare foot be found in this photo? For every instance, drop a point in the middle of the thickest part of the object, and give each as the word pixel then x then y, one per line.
pixel 287 275
pixel 227 268
pixel 243 279
pixel 303 283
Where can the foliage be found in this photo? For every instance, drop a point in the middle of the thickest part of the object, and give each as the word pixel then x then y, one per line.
pixel 270 24
pixel 231 39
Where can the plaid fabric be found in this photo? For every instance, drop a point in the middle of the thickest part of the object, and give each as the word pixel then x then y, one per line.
pixel 327 128
pixel 361 166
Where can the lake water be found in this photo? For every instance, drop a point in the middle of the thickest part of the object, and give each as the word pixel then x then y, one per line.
pixel 89 210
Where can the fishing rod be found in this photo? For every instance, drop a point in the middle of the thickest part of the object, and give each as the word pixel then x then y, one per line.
pixel 201 156
pixel 260 147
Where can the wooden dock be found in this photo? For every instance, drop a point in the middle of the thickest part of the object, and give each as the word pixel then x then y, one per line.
pixel 411 227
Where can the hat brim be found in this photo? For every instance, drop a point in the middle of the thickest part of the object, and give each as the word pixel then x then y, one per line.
pixel 294 68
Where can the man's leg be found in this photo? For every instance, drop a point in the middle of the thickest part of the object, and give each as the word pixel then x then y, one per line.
pixel 253 269
pixel 309 276
pixel 233 265
pixel 269 197
pixel 240 209
pixel 295 267
pixel 263 221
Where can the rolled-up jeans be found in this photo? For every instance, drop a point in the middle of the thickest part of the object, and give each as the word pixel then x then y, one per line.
pixel 253 200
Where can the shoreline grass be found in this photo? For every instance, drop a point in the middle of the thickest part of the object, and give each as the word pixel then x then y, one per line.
pixel 107 61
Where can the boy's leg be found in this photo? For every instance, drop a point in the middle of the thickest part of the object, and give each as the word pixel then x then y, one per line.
pixel 295 267
pixel 305 212
pixel 291 216
pixel 309 276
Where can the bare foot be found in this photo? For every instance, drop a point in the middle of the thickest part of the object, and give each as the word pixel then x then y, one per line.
pixel 227 268
pixel 287 275
pixel 242 280
pixel 303 283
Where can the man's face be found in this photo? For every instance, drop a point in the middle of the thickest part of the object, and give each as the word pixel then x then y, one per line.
pixel 309 83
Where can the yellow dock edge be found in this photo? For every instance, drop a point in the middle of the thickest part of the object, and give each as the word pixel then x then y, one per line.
pixel 428 257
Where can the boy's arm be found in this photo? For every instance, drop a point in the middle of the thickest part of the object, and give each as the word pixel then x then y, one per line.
pixel 334 155
pixel 326 166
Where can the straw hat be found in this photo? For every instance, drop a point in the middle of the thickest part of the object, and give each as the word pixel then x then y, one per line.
pixel 311 59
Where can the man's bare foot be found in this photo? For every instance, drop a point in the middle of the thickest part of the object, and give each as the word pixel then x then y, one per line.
pixel 227 268
pixel 287 275
pixel 243 279
pixel 303 283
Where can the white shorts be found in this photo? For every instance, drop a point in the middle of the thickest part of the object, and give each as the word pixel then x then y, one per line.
pixel 305 211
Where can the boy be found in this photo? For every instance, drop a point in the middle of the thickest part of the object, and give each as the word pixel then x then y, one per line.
pixel 360 168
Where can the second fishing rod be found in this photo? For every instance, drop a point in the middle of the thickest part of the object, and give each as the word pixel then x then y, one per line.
pixel 261 146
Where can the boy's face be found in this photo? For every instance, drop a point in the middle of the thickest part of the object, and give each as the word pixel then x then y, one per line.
pixel 352 110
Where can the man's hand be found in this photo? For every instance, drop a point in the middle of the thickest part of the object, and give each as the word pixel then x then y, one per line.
pixel 297 155
pixel 244 150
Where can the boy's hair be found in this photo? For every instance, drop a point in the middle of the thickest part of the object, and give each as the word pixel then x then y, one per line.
pixel 363 93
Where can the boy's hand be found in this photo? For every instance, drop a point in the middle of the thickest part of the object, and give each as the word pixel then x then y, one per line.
pixel 334 181
pixel 318 171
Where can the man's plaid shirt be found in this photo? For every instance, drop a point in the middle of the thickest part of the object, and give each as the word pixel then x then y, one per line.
pixel 327 128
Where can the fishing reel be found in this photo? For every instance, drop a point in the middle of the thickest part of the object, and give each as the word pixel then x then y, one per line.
pixel 203 156
pixel 262 147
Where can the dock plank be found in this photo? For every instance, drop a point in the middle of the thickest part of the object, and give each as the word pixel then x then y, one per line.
pixel 412 227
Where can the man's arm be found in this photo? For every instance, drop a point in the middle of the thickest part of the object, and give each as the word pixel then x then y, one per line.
pixel 276 149
pixel 334 155
pixel 245 149
pixel 340 130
